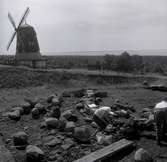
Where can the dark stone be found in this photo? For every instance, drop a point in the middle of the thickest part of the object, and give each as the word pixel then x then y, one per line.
pixel 20 139
pixel 52 123
pixel 82 134
pixel 55 112
pixel 68 114
pixel 34 154
pixel 35 113
pixel 26 107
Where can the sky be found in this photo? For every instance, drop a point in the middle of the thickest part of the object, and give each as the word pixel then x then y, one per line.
pixel 89 25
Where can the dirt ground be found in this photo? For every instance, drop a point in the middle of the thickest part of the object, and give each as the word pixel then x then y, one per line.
pixel 133 94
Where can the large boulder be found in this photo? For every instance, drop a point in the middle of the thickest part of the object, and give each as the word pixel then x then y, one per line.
pixel 15 115
pixel 20 139
pixel 52 123
pixel 82 134
pixel 141 155
pixel 34 154
pixel 69 115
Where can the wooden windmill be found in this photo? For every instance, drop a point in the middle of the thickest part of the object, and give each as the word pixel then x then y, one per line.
pixel 27 47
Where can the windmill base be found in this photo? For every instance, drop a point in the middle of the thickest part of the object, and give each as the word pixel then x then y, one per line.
pixel 32 63
pixel 33 60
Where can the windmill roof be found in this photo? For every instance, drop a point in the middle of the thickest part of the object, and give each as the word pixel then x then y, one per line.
pixel 25 26
pixel 29 56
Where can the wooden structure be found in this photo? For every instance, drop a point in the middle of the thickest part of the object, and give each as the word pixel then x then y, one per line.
pixel 27 47
pixel 107 151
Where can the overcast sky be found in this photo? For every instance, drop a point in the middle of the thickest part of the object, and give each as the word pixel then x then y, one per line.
pixel 81 25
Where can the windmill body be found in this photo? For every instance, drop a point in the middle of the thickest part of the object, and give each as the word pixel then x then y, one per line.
pixel 27 46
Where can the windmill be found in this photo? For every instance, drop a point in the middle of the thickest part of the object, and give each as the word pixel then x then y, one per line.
pixel 27 47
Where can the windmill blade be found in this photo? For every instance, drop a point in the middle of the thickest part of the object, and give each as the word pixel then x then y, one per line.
pixel 12 20
pixel 11 40
pixel 24 16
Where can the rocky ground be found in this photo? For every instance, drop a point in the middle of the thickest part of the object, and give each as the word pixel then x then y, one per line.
pixel 29 112
pixel 61 145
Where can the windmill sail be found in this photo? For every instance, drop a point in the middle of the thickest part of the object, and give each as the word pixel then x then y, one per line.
pixel 11 40
pixel 14 25
pixel 12 21
pixel 24 16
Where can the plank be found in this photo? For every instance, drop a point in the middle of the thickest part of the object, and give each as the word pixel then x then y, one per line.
pixel 107 151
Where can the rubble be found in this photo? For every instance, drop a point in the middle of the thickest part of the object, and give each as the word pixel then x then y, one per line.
pixel 53 142
pixel 68 142
pixel 75 128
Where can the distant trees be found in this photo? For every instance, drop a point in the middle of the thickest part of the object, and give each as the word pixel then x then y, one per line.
pixel 123 62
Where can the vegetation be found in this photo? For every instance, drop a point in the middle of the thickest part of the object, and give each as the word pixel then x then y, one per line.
pixel 119 63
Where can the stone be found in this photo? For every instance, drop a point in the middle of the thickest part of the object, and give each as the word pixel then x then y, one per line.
pixel 62 124
pixel 55 112
pixel 82 134
pixel 94 125
pixel 70 126
pixel 79 106
pixel 104 139
pixel 52 123
pixel 68 114
pixel 18 108
pixel 55 141
pixel 35 113
pixel 141 155
pixel 26 107
pixel 49 99
pixel 109 128
pixel 55 101
pixel 20 139
pixel 34 154
pixel 87 119
pixel 98 100
pixel 5 155
pixel 68 142
pixel 41 108
pixel 15 115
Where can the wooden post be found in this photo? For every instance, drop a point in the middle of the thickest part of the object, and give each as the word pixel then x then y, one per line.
pixel 107 151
